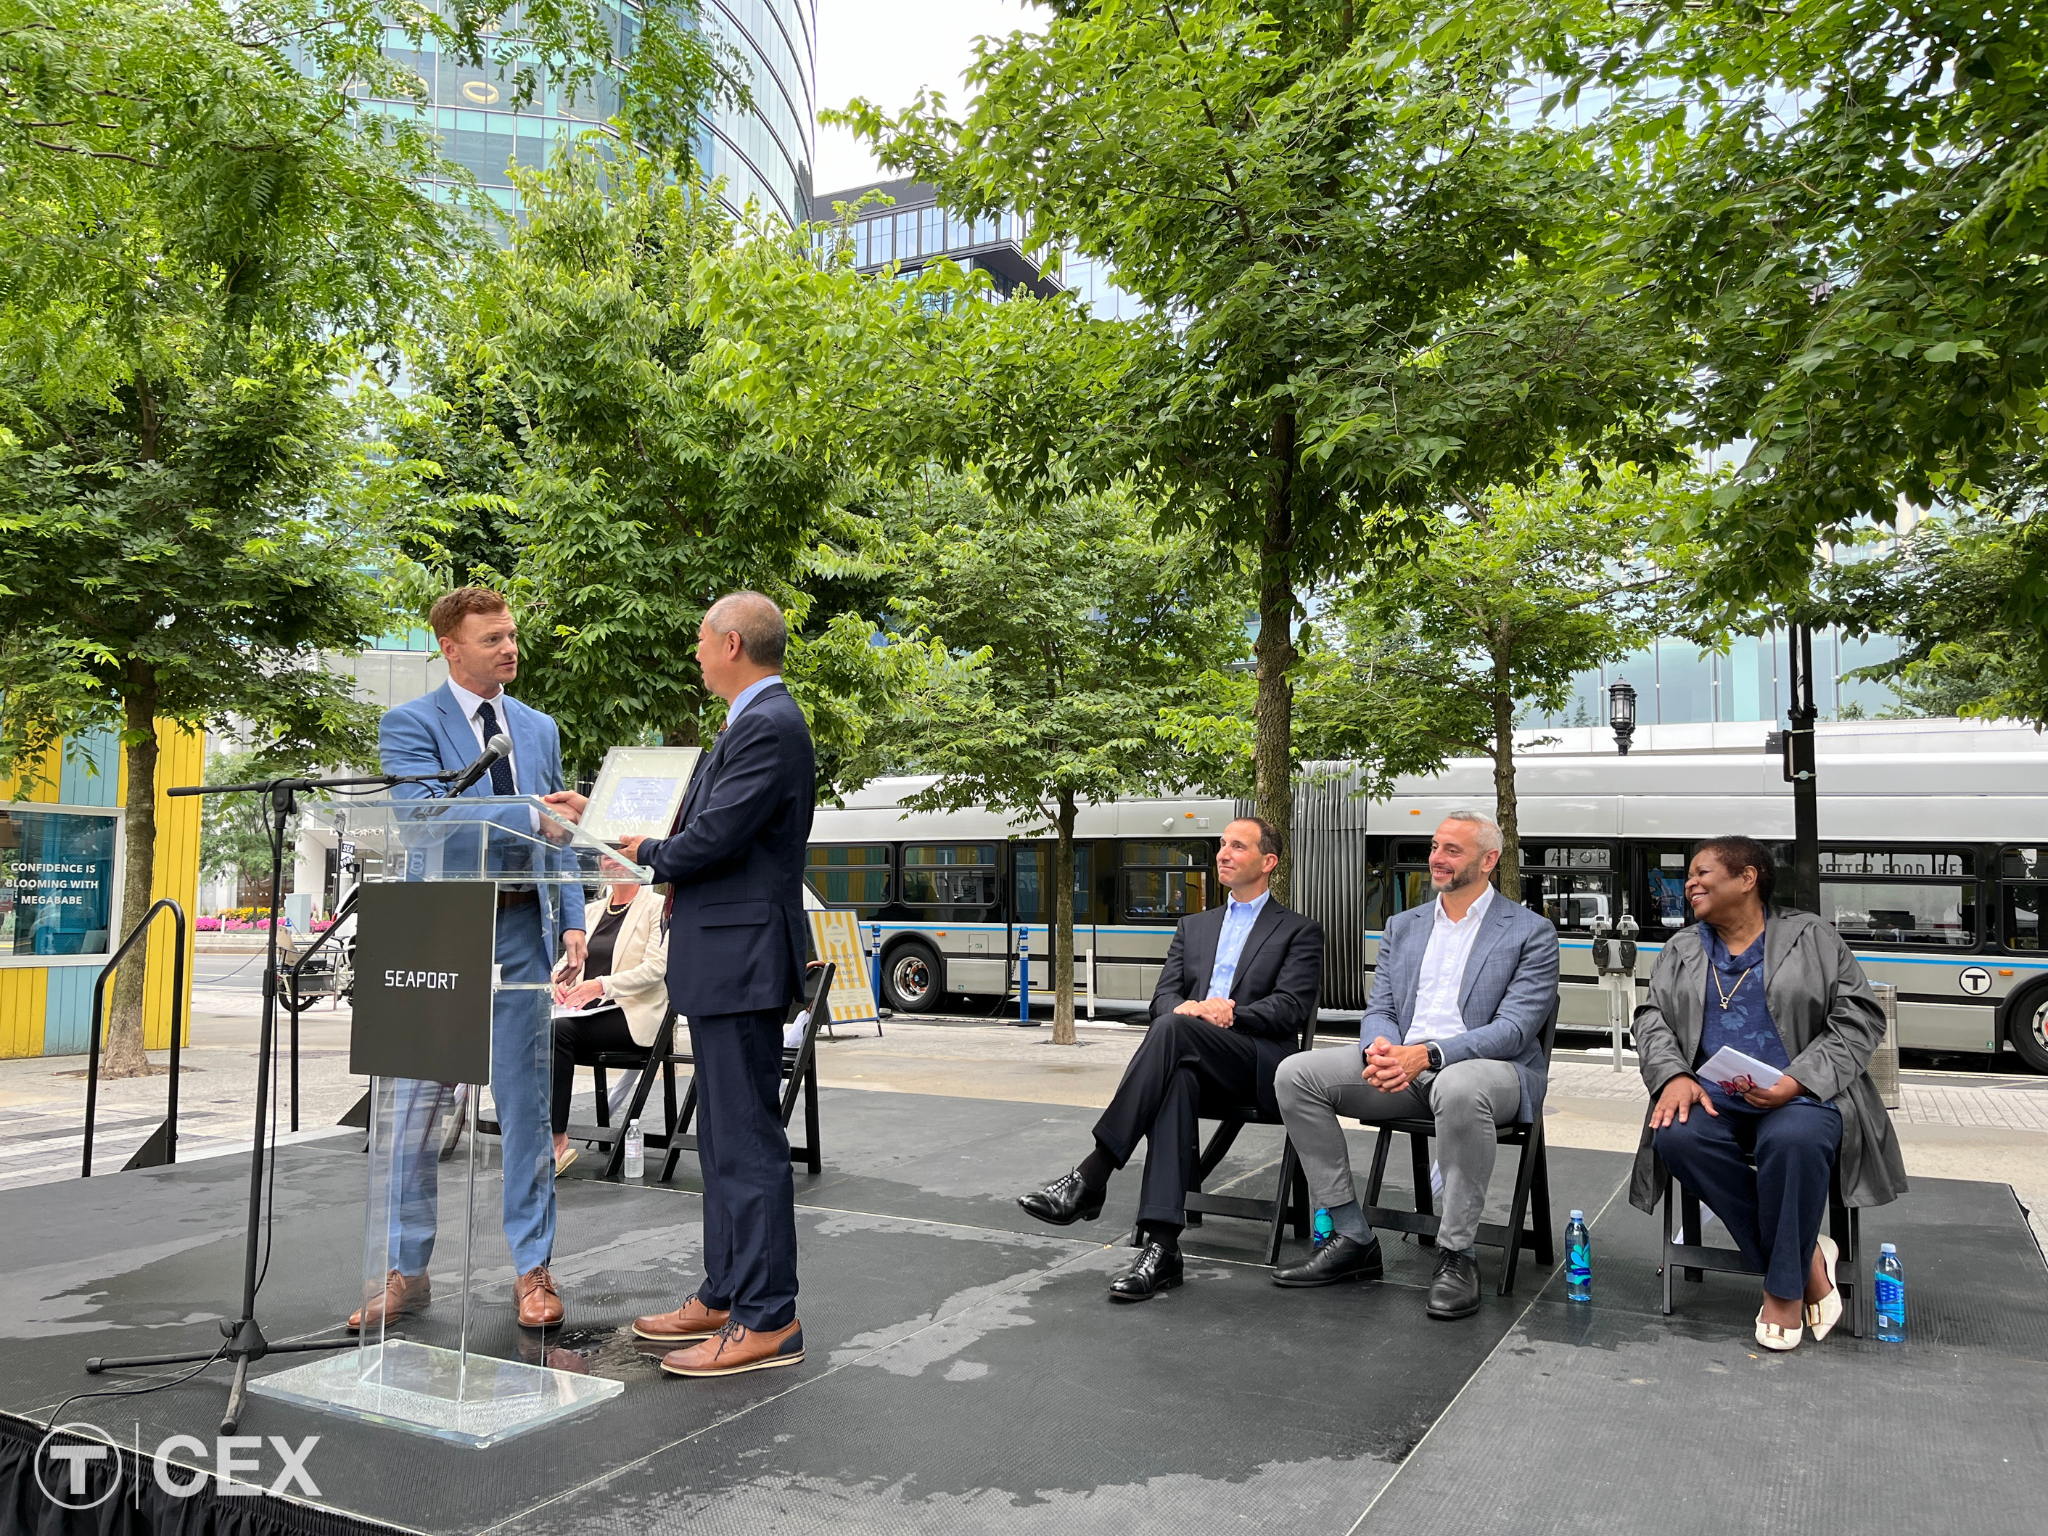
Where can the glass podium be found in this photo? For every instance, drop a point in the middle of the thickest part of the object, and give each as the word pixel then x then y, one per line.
pixel 452 994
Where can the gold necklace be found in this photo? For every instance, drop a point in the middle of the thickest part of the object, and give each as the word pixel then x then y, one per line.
pixel 1728 996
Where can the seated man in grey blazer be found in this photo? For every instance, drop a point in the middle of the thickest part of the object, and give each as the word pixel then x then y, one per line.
pixel 1452 1032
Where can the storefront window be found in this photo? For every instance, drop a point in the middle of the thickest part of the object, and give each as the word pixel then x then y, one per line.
pixel 56 883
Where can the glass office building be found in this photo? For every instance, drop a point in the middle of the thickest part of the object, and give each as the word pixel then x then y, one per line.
pixel 1677 683
pixel 763 155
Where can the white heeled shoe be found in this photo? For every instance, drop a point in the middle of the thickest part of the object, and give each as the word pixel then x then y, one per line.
pixel 1822 1315
pixel 1772 1337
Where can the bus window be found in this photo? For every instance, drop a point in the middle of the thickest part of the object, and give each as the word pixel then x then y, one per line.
pixel 1028 886
pixel 1909 896
pixel 2023 893
pixel 1664 868
pixel 957 879
pixel 1411 875
pixel 1163 882
pixel 850 877
pixel 1569 883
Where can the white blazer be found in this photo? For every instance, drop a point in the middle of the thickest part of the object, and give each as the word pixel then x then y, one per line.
pixel 638 982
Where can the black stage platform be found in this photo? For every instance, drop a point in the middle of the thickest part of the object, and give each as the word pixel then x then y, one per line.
pixel 967 1374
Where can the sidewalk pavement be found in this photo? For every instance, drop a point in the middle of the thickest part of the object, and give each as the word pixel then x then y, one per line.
pixel 1951 1125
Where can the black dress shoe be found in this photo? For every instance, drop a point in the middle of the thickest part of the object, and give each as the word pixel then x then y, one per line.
pixel 1066 1200
pixel 1158 1269
pixel 1454 1292
pixel 1337 1257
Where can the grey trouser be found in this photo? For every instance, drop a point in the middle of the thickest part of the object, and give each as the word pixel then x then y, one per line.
pixel 1467 1100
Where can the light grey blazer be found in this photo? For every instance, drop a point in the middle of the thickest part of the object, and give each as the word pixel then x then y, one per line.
pixel 1510 986
pixel 1830 1022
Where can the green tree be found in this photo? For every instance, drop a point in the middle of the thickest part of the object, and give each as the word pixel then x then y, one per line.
pixel 205 233
pixel 1517 593
pixel 235 830
pixel 588 442
pixel 1363 275
pixel 1842 204
pixel 1085 624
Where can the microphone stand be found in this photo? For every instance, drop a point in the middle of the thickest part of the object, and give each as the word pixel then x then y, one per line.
pixel 245 1340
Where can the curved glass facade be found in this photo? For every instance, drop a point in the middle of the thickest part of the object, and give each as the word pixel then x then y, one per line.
pixel 764 156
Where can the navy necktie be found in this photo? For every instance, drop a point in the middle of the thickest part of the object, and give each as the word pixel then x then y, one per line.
pixel 501 770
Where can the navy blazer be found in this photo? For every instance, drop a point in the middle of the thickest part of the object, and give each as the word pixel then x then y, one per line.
pixel 1279 971
pixel 430 735
pixel 737 935
pixel 1509 988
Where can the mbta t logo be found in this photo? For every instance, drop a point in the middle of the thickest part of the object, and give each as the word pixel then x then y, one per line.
pixel 78 1466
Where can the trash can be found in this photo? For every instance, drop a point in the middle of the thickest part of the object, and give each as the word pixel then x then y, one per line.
pixel 1884 1061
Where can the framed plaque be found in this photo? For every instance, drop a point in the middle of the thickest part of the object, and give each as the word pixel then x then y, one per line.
pixel 638 791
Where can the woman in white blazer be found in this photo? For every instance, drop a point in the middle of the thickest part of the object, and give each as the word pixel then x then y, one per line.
pixel 622 995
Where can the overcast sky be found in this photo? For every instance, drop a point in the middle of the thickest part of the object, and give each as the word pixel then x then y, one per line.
pixel 886 50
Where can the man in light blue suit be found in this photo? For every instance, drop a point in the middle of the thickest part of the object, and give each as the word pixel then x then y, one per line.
pixel 1452 1032
pixel 540 930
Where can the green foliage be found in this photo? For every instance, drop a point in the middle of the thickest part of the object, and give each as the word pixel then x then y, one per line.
pixel 234 830
pixel 1842 205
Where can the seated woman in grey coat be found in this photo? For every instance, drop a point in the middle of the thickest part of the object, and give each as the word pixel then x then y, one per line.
pixel 1783 988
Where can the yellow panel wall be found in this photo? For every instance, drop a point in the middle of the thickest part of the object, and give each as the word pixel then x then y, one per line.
pixel 27 993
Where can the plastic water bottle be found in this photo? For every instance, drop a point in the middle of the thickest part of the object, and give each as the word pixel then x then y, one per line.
pixel 1322 1226
pixel 1891 1295
pixel 636 1152
pixel 1578 1259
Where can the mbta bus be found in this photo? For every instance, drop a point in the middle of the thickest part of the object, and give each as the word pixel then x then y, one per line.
pixel 1933 856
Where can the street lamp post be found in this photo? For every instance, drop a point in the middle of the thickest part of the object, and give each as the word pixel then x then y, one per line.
pixel 1621 713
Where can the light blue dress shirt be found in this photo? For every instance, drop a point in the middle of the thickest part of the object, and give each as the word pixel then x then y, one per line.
pixel 1238 918
pixel 746 697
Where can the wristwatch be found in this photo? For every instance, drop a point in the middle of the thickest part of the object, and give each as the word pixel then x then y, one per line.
pixel 1436 1055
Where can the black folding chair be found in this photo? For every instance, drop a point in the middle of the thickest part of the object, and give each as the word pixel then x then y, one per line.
pixel 1690 1258
pixel 1528 1214
pixel 799 1075
pixel 1289 1200
pixel 604 1134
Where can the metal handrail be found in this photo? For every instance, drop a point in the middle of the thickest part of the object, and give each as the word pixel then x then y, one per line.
pixel 292 992
pixel 99 1001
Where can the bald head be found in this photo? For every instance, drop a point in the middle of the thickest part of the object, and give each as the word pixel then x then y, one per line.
pixel 758 623
pixel 740 642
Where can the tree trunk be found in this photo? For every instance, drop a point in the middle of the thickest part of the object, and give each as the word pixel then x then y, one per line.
pixel 1063 926
pixel 1274 655
pixel 1506 812
pixel 123 1051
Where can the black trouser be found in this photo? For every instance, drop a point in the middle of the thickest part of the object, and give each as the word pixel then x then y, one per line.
pixel 579 1040
pixel 749 1194
pixel 1186 1065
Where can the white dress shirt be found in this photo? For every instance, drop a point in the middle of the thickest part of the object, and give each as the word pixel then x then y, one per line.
pixel 470 704
pixel 1442 977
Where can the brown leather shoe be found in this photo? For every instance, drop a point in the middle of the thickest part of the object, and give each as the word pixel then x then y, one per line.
pixel 402 1294
pixel 540 1304
pixel 686 1325
pixel 734 1349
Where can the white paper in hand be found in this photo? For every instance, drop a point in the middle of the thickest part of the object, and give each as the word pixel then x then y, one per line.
pixel 1730 1067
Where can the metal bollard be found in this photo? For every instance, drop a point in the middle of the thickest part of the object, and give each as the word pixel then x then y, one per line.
pixel 875 962
pixel 1884 1061
pixel 1024 974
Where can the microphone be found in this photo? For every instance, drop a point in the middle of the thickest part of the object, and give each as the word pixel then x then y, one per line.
pixel 500 747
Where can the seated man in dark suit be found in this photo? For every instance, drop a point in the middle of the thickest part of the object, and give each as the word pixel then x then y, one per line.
pixel 1237 986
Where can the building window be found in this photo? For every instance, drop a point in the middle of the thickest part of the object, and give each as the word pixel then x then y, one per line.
pixel 56 883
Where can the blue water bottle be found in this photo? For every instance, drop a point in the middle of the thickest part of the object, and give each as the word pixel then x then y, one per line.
pixel 1891 1295
pixel 1322 1226
pixel 1578 1259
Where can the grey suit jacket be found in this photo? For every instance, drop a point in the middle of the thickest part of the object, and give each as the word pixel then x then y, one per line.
pixel 1830 1022
pixel 1510 986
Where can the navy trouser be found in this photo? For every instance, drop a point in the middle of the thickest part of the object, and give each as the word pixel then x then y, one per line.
pixel 749 1195
pixel 1773 1209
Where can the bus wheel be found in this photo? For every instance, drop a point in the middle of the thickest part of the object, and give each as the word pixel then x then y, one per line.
pixel 2026 1026
pixel 910 979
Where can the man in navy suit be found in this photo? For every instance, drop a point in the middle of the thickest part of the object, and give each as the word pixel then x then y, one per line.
pixel 737 942
pixel 1232 998
pixel 538 926
pixel 1452 1032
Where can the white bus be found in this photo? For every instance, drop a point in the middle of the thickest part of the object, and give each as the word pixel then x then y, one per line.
pixel 1933 849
